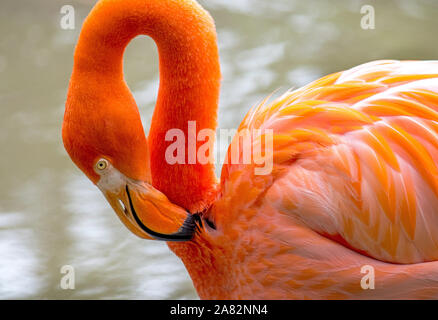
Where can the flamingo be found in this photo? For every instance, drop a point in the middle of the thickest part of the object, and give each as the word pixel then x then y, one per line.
pixel 354 180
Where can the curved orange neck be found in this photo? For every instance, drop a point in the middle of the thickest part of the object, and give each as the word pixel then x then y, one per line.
pixel 189 80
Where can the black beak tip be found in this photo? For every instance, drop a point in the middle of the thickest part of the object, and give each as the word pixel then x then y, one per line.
pixel 186 232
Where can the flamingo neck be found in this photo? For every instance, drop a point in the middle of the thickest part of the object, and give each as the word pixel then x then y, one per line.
pixel 189 80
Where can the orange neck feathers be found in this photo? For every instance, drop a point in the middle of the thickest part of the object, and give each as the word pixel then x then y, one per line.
pixel 189 84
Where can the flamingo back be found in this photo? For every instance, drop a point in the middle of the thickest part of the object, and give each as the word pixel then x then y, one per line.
pixel 354 160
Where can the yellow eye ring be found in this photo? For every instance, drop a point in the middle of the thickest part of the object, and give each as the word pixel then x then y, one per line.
pixel 102 164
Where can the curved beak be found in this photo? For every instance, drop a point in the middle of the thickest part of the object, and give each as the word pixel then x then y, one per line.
pixel 149 214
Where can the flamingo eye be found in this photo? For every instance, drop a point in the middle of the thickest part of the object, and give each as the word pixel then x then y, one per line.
pixel 102 164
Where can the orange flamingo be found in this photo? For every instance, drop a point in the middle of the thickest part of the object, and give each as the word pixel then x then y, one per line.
pixel 354 180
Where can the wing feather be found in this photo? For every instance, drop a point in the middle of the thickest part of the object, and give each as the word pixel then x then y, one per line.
pixel 359 154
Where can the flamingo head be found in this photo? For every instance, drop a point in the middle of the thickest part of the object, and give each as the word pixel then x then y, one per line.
pixel 110 147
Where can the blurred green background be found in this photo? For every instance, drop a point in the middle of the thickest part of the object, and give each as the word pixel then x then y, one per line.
pixel 51 215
